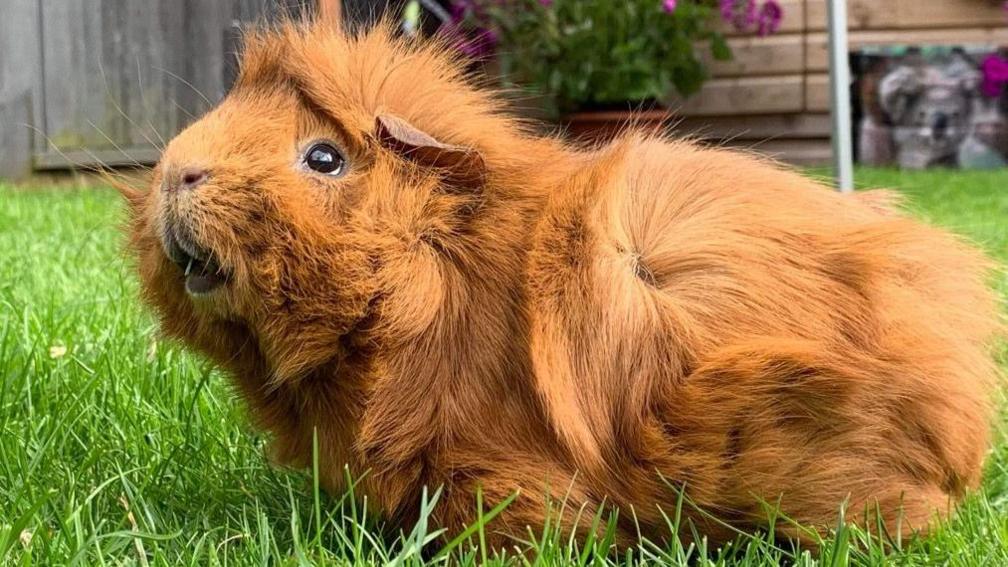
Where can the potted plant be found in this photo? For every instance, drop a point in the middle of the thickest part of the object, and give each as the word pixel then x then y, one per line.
pixel 593 61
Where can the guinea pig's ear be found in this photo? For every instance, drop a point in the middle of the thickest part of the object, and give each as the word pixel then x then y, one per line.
pixel 898 90
pixel 463 167
pixel 970 83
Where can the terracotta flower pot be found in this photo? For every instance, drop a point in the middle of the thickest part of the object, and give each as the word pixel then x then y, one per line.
pixel 603 125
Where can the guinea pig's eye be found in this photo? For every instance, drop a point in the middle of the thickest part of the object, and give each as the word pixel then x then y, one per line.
pixel 324 158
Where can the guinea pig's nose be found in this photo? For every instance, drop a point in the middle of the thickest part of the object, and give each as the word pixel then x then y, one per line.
pixel 940 126
pixel 186 179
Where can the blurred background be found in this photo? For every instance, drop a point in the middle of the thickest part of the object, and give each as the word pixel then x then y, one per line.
pixel 84 82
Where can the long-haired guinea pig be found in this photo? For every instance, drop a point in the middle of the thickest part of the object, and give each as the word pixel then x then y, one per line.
pixel 380 256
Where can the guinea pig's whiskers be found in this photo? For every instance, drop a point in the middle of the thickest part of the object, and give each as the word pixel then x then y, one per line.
pixel 188 268
pixel 115 145
pixel 182 109
pixel 147 111
pixel 186 83
pixel 97 165
pixel 115 103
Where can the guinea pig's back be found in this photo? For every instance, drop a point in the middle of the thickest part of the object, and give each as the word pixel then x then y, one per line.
pixel 735 245
pixel 705 288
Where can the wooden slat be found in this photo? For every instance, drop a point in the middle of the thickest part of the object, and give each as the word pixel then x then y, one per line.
pixel 83 159
pixel 794 152
pixel 139 67
pixel 75 100
pixel 910 14
pixel 817 50
pixel 773 55
pixel 792 22
pixel 861 14
pixel 749 95
pixel 795 130
pixel 817 93
pixel 206 28
pixel 800 126
pixel 19 86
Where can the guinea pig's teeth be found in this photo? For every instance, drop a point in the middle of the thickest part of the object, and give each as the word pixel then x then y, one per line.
pixel 210 266
pixel 188 248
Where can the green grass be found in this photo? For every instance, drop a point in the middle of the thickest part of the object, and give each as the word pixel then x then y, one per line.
pixel 118 448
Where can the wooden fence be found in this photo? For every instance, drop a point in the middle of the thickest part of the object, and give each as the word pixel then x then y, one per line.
pixel 106 81
pixel 774 95
pixel 83 81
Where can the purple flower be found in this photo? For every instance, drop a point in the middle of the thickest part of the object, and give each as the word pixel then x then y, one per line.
pixel 770 17
pixel 669 6
pixel 747 14
pixel 727 9
pixel 739 13
pixel 546 3
pixel 458 11
pixel 995 75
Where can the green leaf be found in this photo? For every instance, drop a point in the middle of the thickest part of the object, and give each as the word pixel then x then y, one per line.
pixel 720 48
pixel 579 52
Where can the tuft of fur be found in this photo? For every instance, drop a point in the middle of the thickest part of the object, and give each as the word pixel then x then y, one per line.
pixel 597 325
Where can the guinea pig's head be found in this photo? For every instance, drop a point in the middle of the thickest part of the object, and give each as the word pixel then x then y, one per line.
pixel 312 210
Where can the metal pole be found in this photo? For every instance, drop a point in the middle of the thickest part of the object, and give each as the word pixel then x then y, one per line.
pixel 331 11
pixel 839 64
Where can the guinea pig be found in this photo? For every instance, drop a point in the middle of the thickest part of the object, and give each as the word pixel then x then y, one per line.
pixel 931 111
pixel 383 259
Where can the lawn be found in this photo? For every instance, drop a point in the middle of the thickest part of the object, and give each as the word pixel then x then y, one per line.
pixel 118 448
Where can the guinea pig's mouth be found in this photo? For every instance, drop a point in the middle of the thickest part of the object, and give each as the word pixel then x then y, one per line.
pixel 200 268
